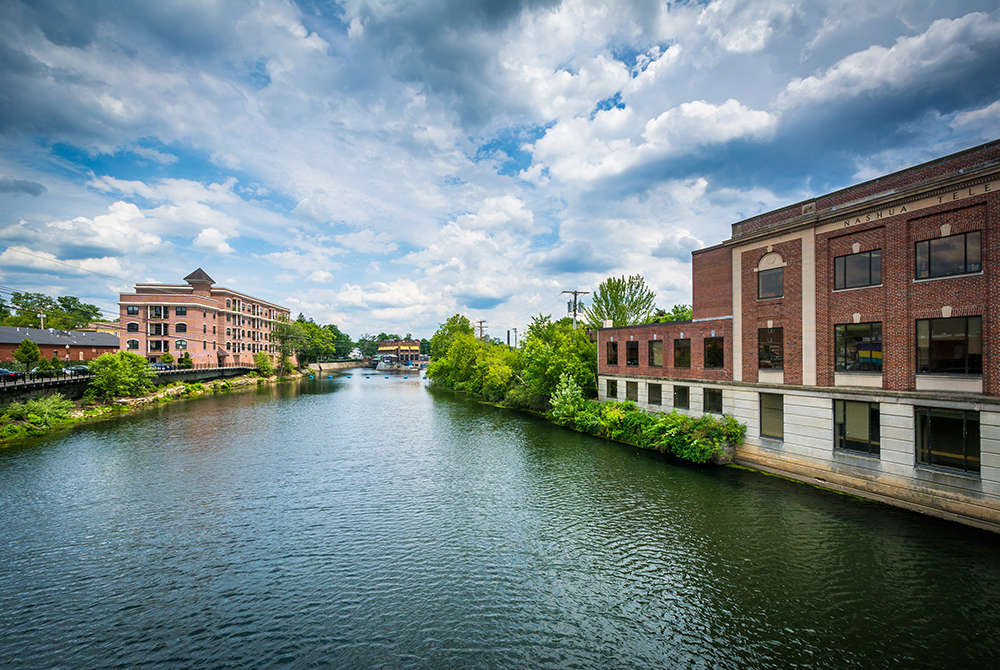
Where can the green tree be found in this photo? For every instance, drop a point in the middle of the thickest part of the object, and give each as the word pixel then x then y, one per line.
pixel 289 338
pixel 262 361
pixel 185 361
pixel 120 374
pixel 676 313
pixel 623 301
pixel 368 344
pixel 27 352
pixel 446 333
pixel 167 358
pixel 54 363
pixel 65 312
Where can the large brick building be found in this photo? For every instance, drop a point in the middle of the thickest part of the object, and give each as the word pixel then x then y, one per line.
pixel 217 326
pixel 855 334
pixel 71 347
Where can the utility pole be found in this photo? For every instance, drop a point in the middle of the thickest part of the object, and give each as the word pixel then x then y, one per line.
pixel 480 325
pixel 515 337
pixel 576 293
pixel 41 315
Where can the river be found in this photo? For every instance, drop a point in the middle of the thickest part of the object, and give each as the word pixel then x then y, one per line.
pixel 363 522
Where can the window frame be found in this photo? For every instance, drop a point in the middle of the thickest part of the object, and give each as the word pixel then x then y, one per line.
pixel 840 273
pixel 129 347
pixel 840 361
pixel 632 353
pixel 180 311
pixel 686 392
pixel 658 395
pixel 919 439
pixel 840 439
pixel 722 352
pixel 632 391
pixel 770 272
pixel 930 349
pixel 678 343
pixel 705 401
pixel 612 384
pixel 761 409
pixel 929 256
pixel 652 353
pixel 180 328
pixel 131 310
pixel 776 363
pixel 611 352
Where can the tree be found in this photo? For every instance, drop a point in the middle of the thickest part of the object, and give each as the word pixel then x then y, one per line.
pixel 27 352
pixel 368 345
pixel 65 312
pixel 288 338
pixel 185 361
pixel 262 361
pixel 167 358
pixel 446 333
pixel 623 301
pixel 676 313
pixel 121 374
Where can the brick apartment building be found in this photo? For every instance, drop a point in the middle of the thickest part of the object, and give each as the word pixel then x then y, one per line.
pixel 217 326
pixel 855 335
pixel 403 350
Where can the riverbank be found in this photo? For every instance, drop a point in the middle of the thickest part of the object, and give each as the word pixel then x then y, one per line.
pixel 34 418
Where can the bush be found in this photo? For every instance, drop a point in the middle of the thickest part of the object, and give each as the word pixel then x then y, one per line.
pixel 41 412
pixel 263 363
pixel 567 400
pixel 120 374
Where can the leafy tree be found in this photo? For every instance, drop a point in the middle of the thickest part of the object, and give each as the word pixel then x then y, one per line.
pixel 75 313
pixel 550 351
pixel 54 363
pixel 262 361
pixel 368 344
pixel 623 301
pixel 120 374
pixel 27 352
pixel 425 346
pixel 66 312
pixel 4 310
pixel 446 333
pixel 676 313
pixel 185 361
pixel 167 358
pixel 289 339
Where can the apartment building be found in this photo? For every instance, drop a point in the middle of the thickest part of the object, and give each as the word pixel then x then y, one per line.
pixel 855 335
pixel 216 326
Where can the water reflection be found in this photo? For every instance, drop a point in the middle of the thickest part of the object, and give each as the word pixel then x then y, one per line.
pixel 353 522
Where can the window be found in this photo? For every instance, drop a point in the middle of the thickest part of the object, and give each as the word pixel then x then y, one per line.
pixel 769 283
pixel 772 415
pixel 154 345
pixel 132 328
pixel 228 346
pixel 228 332
pixel 181 328
pixel 654 394
pixel 948 438
pixel 953 255
pixel 204 344
pixel 612 353
pixel 632 391
pixel 656 353
pixel 714 357
pixel 213 344
pixel 181 344
pixel 155 312
pixel 856 426
pixel 229 303
pixel 950 346
pixel 133 345
pixel 204 329
pixel 228 317
pixel 631 353
pixel 864 269
pixel 682 353
pixel 132 310
pixel 156 329
pixel 213 330
pixel 181 311
pixel 682 397
pixel 612 389
pixel 857 347
pixel 713 400
pixel 770 348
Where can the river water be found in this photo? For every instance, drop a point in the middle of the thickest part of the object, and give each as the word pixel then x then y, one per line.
pixel 376 523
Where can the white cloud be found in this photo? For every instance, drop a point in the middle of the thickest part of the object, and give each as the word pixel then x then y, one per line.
pixel 210 239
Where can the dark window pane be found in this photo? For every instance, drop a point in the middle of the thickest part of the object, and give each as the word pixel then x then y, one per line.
pixel 973 251
pixel 769 283
pixel 948 256
pixel 713 400
pixel 975 332
pixel 772 415
pixel 838 273
pixel 876 267
pixel 682 353
pixel 857 426
pixel 714 356
pixel 612 352
pixel 612 389
pixel 770 348
pixel 923 260
pixel 948 438
pixel 631 353
pixel 632 391
pixel 655 394
pixel 656 353
pixel 857 270
pixel 858 347
pixel 682 397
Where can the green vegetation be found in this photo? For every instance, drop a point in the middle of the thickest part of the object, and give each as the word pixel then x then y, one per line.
pixel 34 417
pixel 123 374
pixel 677 313
pixel 623 301
pixel 263 363
pixel 167 358
pixel 320 343
pixel 185 361
pixel 27 353
pixel 63 313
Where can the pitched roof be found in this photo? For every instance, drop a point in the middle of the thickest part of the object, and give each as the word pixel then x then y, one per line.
pixel 199 276
pixel 60 338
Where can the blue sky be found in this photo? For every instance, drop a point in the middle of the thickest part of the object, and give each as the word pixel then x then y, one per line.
pixel 383 165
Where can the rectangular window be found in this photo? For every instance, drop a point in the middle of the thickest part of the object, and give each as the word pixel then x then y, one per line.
pixel 856 426
pixel 632 391
pixel 155 312
pixel 770 348
pixel 656 353
pixel 946 256
pixel 156 329
pixel 713 400
pixel 948 438
pixel 181 311
pixel 166 345
pixel 772 415
pixel 154 345
pixel 682 397
pixel 714 357
pixel 612 353
pixel 631 353
pixel 770 284
pixel 950 346
pixel 654 394
pixel 857 347
pixel 864 269
pixel 682 353
pixel 612 389
pixel 132 310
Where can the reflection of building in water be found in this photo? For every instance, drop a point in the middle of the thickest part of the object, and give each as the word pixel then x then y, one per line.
pixel 853 334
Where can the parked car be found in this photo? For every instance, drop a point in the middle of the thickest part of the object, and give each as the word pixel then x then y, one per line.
pixel 77 370
pixel 159 366
pixel 9 375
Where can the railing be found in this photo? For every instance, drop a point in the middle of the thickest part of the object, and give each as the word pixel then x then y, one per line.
pixel 56 377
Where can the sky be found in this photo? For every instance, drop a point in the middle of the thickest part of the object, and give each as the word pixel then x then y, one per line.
pixel 385 164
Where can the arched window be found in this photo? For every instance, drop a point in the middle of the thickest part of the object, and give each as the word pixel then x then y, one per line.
pixel 204 329
pixel 770 276
pixel 181 328
pixel 228 332
pixel 229 303
pixel 181 344
pixel 227 346
pixel 133 327
pixel 133 345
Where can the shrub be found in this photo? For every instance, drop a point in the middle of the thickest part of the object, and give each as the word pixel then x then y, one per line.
pixel 567 400
pixel 263 363
pixel 120 374
pixel 40 412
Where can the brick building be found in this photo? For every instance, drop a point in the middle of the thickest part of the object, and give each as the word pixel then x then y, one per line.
pixel 858 338
pixel 403 350
pixel 71 347
pixel 217 326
